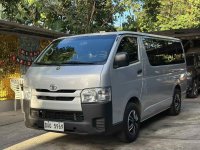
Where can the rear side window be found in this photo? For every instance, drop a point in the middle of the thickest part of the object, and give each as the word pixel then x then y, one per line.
pixel 129 44
pixel 163 52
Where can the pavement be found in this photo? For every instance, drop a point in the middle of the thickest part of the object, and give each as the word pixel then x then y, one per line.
pixel 11 117
pixel 161 132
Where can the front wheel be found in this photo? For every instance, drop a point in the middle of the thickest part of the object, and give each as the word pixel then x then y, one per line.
pixel 131 123
pixel 175 107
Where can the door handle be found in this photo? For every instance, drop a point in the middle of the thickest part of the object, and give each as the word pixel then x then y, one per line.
pixel 139 71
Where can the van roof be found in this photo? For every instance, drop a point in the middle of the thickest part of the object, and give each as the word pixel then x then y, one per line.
pixel 121 33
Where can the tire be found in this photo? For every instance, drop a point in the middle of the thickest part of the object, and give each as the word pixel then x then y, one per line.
pixel 194 91
pixel 175 107
pixel 131 124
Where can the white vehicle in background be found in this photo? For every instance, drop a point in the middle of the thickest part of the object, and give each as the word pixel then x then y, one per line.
pixel 104 83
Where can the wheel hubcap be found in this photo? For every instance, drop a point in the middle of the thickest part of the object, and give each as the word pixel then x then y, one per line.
pixel 132 122
pixel 177 101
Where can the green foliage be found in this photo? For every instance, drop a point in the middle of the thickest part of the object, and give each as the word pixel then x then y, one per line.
pixel 76 16
pixel 131 8
pixel 147 18
pixel 156 15
pixel 10 8
pixel 180 14
pixel 83 16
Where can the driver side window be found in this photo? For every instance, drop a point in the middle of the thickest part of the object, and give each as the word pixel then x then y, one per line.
pixel 129 44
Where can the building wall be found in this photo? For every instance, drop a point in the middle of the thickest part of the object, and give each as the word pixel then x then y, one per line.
pixel 17 54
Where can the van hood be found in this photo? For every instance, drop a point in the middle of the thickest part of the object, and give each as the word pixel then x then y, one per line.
pixel 63 77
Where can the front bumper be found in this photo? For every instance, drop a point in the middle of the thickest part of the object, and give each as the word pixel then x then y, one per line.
pixel 97 118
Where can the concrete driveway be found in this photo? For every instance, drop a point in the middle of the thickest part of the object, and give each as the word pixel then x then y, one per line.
pixel 159 133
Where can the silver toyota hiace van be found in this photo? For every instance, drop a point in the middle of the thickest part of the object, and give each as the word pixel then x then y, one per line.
pixel 104 83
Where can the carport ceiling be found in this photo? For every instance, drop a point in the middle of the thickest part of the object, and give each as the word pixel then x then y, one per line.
pixel 184 34
pixel 12 27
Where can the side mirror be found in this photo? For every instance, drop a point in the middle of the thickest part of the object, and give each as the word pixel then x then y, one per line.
pixel 121 60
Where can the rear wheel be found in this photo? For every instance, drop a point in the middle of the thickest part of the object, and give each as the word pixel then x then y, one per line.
pixel 175 107
pixel 131 123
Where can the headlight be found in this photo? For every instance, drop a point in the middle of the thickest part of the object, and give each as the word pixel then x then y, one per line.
pixel 27 93
pixel 96 95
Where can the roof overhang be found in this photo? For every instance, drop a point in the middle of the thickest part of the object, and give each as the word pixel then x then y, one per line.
pixel 12 27
pixel 183 34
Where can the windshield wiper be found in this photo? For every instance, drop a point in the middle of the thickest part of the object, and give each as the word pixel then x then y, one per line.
pixel 78 62
pixel 62 63
pixel 52 64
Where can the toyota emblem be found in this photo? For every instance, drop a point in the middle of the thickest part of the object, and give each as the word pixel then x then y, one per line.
pixel 53 87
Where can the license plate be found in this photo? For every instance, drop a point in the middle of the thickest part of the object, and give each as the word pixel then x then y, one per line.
pixel 54 126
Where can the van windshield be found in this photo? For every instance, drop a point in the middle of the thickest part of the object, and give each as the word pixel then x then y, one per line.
pixel 77 50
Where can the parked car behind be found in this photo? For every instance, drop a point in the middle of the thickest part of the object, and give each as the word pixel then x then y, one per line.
pixel 193 74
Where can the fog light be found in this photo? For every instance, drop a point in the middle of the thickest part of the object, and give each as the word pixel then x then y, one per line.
pixel 100 124
pixel 34 113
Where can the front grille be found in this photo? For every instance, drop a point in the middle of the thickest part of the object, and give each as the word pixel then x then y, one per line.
pixel 57 115
pixel 59 91
pixel 55 98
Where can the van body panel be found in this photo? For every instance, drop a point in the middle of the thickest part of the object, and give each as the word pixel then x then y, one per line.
pixel 66 78
pixel 158 85
pixel 126 83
